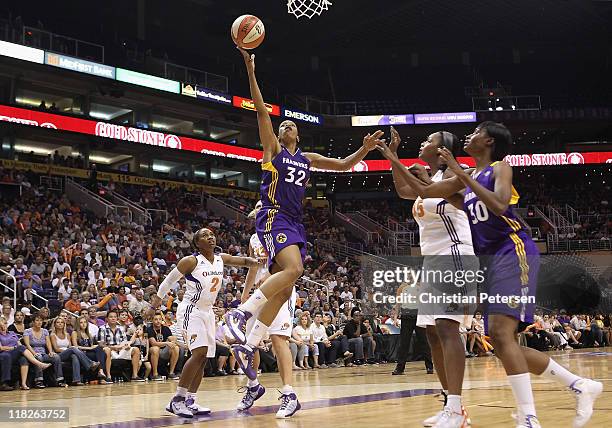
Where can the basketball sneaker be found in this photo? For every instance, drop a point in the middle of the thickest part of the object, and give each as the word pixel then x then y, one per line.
pixel 530 421
pixel 244 356
pixel 178 407
pixel 432 420
pixel 196 409
pixel 289 405
pixel 236 324
pixel 250 396
pixel 586 391
pixel 450 419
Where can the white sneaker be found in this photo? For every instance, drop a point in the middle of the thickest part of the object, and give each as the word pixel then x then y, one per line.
pixel 289 405
pixel 586 391
pixel 195 408
pixel 179 408
pixel 530 421
pixel 450 419
pixel 432 420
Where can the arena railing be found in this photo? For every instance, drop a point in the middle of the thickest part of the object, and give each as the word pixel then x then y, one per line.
pixel 556 245
pixel 326 287
pixel 6 287
pixel 194 76
pixel 47 40
pixel 34 293
pixel 221 208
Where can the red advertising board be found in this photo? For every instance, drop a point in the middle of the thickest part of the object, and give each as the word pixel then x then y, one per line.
pixel 248 104
pixel 125 133
pixel 160 139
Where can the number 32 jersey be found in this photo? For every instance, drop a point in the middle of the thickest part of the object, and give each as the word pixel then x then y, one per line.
pixel 489 231
pixel 283 182
pixel 203 284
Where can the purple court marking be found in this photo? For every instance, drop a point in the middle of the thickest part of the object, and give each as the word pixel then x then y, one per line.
pixel 256 411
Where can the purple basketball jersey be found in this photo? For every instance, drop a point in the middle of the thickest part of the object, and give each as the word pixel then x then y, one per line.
pixel 283 183
pixel 489 231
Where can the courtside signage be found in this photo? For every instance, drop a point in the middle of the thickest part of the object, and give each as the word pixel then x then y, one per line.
pixel 248 104
pixel 147 80
pixel 125 133
pixel 314 119
pixel 25 53
pixel 80 65
pixel 383 119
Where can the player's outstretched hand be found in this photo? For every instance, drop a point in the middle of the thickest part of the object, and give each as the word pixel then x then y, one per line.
pixel 419 172
pixel 249 59
pixel 370 142
pixel 395 140
pixel 447 157
pixel 385 151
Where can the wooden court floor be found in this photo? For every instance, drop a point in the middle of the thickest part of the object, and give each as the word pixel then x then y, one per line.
pixel 344 397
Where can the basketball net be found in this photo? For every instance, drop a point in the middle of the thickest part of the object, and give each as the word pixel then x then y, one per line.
pixel 307 8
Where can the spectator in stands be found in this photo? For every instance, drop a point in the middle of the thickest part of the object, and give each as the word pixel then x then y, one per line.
pixel 116 345
pixel 138 304
pixel 142 342
pixel 327 349
pixel 18 327
pixel 336 337
pixel 12 351
pixel 74 304
pixel 8 312
pixel 222 352
pixel 356 331
pixel 36 339
pixel 61 344
pixel 162 346
pixel 60 266
pixel 83 340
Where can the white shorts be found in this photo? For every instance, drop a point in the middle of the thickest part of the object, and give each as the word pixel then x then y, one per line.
pixel 198 327
pixel 282 325
pixel 124 354
pixel 425 320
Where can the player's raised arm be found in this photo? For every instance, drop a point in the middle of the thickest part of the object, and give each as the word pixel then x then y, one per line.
pixel 498 200
pixel 369 143
pixel 268 137
pixel 230 260
pixel 442 189
pixel 185 266
pixel 403 188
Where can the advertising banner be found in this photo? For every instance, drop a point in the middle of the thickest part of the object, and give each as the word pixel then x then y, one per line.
pixel 423 119
pixel 292 114
pixel 214 96
pixel 147 80
pixel 25 53
pixel 383 119
pixel 248 104
pixel 80 65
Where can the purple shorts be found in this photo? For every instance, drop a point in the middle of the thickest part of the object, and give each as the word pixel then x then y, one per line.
pixel 277 230
pixel 513 272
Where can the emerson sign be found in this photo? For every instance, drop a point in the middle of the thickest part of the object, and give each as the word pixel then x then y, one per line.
pixel 302 116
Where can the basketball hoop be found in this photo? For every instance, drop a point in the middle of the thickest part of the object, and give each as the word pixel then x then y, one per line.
pixel 307 8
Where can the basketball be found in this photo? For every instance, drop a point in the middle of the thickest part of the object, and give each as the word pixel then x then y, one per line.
pixel 248 31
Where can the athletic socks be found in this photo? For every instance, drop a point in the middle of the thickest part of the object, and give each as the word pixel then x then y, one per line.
pixel 191 395
pixel 556 372
pixel 454 403
pixel 523 395
pixel 252 383
pixel 287 389
pixel 181 392
pixel 254 303
pixel 255 335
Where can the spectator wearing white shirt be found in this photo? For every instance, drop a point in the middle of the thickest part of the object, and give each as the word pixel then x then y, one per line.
pixel 327 349
pixel 60 266
pixel 111 249
pixel 138 304
pixel 302 332
pixel 94 276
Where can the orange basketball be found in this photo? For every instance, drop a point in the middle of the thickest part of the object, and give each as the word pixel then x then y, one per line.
pixel 248 31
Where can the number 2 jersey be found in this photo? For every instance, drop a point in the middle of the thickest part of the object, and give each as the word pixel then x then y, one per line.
pixel 203 284
pixel 283 183
pixel 489 231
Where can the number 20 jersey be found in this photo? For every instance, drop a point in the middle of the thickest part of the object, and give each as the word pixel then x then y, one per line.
pixel 489 231
pixel 203 284
pixel 283 183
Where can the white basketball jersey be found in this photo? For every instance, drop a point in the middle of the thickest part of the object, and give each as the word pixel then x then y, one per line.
pixel 259 252
pixel 204 282
pixel 444 229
